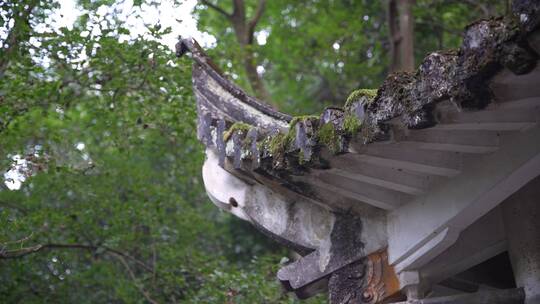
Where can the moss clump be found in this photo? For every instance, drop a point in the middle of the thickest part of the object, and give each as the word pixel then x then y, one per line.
pixel 246 143
pixel 291 134
pixel 278 144
pixel 351 124
pixel 297 119
pixel 370 94
pixel 301 158
pixel 237 126
pixel 328 136
pixel 263 144
pixel 290 137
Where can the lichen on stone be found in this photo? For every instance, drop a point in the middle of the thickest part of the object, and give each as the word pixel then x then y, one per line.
pixel 392 99
pixel 528 13
pixel 434 78
pixel 291 133
pixel 488 46
pixel 303 135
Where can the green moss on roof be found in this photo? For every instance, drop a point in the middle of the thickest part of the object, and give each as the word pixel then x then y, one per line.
pixel 297 119
pixel 278 144
pixel 301 158
pixel 370 94
pixel 263 145
pixel 328 136
pixel 237 126
pixel 291 134
pixel 351 124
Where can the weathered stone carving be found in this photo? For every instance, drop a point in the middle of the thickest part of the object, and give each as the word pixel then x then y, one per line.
pixel 527 12
pixel 368 281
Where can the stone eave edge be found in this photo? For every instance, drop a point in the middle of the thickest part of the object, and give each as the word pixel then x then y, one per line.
pixel 189 45
pixel 461 76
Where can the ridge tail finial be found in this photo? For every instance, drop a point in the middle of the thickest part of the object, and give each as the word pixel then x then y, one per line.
pixel 182 47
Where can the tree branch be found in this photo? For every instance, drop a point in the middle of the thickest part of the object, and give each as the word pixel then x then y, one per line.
pixel 121 256
pixel 154 262
pixel 255 20
pixel 485 10
pixel 239 11
pixel 216 8
pixel 480 6
pixel 18 253
pixel 433 23
pixel 134 279
pixel 20 241
pixel 22 210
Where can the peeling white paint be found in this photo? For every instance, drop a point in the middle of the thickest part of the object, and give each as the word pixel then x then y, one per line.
pixel 271 209
pixel 298 221
pixel 316 226
pixel 221 186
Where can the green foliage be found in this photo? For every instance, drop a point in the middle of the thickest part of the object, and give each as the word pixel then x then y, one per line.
pixel 113 209
pixel 439 24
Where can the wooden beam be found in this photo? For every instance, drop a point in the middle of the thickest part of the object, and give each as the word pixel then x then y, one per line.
pixel 504 296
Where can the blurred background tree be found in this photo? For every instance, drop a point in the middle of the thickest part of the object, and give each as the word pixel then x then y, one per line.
pixel 102 200
pixel 311 54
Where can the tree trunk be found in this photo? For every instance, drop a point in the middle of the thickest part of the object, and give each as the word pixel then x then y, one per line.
pixel 401 34
pixel 245 32
pixel 255 80
pixel 245 38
